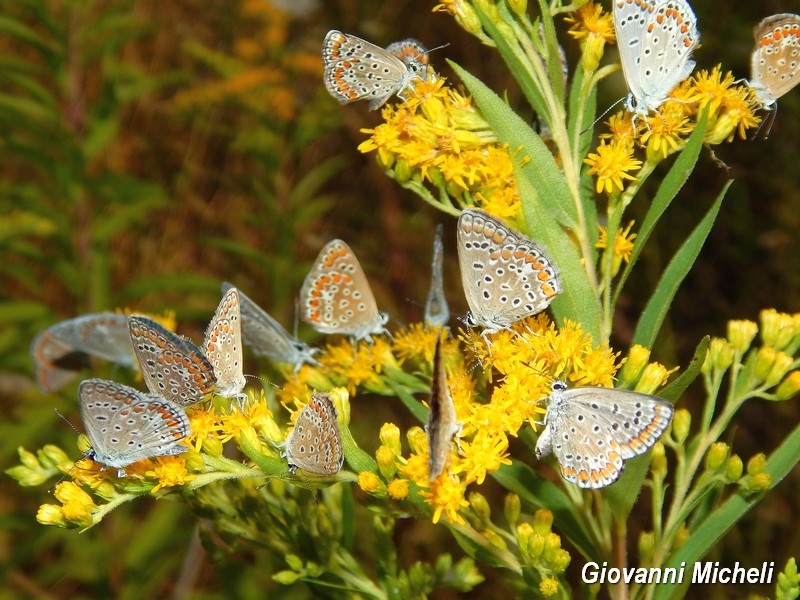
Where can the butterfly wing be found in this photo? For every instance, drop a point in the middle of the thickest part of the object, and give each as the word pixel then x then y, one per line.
pixel 655 39
pixel 354 69
pixel 223 345
pixel 124 425
pixel 172 367
pixel 775 64
pixel 442 421
pixel 315 444
pixel 336 296
pixel 266 337
pixel 505 276
pixel 594 430
pixel 437 312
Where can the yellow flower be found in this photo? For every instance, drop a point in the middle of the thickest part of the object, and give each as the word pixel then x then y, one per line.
pixel 398 489
pixel 548 587
pixel 484 454
pixel 369 482
pixel 590 21
pixel 623 245
pixel 621 128
pixel 665 131
pixel 611 163
pixel 170 471
pixel 446 496
pixel 463 12
pixel 731 107
pixel 593 28
pixel 437 140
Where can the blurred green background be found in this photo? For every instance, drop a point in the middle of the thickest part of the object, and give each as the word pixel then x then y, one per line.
pixel 150 150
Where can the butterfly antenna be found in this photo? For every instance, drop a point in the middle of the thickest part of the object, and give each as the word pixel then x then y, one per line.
pixel 439 47
pixel 600 118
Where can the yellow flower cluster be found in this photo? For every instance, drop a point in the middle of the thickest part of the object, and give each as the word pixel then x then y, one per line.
pixel 438 144
pixel 731 111
pixel 492 403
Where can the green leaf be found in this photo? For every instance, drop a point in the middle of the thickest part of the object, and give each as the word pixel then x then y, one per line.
pixel 514 57
pixel 654 313
pixel 708 533
pixel 538 492
pixel 669 188
pixel 541 170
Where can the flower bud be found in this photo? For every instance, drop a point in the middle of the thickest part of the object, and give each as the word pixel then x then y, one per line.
pixel 733 471
pixel 777 329
pixel 548 587
pixel 653 377
pixel 721 354
pixel 512 508
pixel 658 461
pixel 370 483
pixel 50 514
pixel 635 364
pixel 765 358
pixel 385 457
pixel 647 544
pixel 681 423
pixel 717 456
pixel 480 507
pixel 789 387
pixel 390 437
pixel 757 464
pixel 741 334
pixel 780 367
pixel 542 521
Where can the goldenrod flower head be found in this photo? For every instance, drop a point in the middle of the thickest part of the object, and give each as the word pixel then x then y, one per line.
pixel 369 482
pixel 548 587
pixel 169 471
pixel 733 472
pixel 731 107
pixel 398 489
pixel 385 457
pixel 665 132
pixel 446 496
pixel 51 514
pixel 76 505
pixel 720 355
pixel 765 359
pixel 593 28
pixel 621 128
pixel 390 437
pixel 780 367
pixel 654 376
pixel 512 508
pixel 681 423
pixel 623 245
pixel 611 163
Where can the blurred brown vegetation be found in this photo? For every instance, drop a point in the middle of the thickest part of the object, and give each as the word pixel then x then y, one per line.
pixel 150 150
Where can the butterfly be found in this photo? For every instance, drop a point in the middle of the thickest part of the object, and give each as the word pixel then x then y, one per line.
pixel 354 69
pixel 172 366
pixel 506 277
pixel 437 313
pixel 655 40
pixel 315 443
pixel 775 64
pixel 64 347
pixel 442 421
pixel 124 425
pixel 266 337
pixel 593 430
pixel 223 345
pixel 336 296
